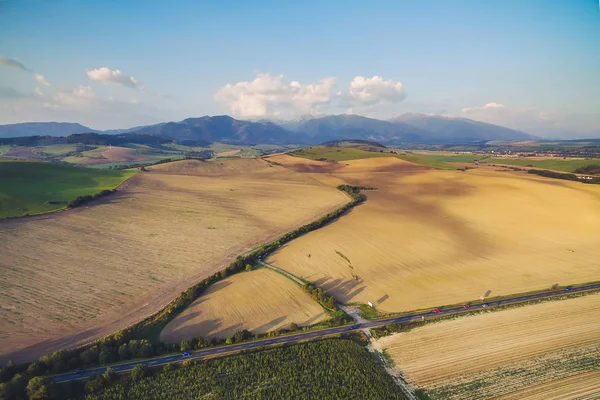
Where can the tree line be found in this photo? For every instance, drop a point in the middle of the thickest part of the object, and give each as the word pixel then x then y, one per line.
pixel 133 341
pixel 327 369
pixel 565 176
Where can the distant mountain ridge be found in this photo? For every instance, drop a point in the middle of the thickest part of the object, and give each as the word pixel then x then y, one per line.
pixel 461 129
pixel 307 129
pixel 43 129
pixel 223 128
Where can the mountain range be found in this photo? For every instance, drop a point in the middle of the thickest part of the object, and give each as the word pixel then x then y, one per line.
pixel 418 128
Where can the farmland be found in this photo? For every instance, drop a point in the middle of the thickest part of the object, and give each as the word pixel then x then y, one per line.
pixel 339 154
pixel 88 272
pixel 259 301
pixel 427 237
pixel 552 163
pixel 524 353
pixel 327 369
pixel 35 187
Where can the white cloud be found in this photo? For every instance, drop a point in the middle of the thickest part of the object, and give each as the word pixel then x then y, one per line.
pixel 106 75
pixel 375 90
pixel 38 92
pixel 271 95
pixel 40 78
pixel 12 63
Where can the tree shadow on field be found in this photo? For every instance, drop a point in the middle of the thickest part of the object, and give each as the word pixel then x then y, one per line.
pixel 228 331
pixel 203 329
pixel 344 291
pixel 269 325
pixel 312 320
pixel 216 286
pixel 321 281
pixel 47 346
pixel 179 321
pixel 382 299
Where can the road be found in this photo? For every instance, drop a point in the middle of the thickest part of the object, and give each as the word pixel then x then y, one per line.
pixel 282 271
pixel 267 342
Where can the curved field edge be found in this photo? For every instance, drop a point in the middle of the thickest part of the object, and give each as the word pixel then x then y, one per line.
pixel 259 300
pixel 336 154
pixel 138 334
pixel 29 188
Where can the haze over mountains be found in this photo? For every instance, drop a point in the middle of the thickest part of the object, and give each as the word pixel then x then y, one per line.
pixel 305 130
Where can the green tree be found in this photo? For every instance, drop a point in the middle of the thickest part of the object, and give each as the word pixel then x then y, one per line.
pixel 138 372
pixel 248 267
pixel 36 368
pixel 40 388
pixel 185 345
pixel 109 375
pixel 293 327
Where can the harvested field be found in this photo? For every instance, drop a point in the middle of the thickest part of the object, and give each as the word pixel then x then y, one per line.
pixel 427 237
pixel 88 272
pixel 25 153
pixel 504 353
pixel 112 154
pixel 229 153
pixel 584 386
pixel 259 301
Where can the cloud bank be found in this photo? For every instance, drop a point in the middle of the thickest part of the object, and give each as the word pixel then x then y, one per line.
pixel 271 95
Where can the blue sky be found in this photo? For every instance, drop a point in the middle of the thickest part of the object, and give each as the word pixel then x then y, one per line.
pixel 531 65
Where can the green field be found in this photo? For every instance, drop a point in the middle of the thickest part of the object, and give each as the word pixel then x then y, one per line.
pixel 327 369
pixel 558 164
pixel 58 149
pixel 446 158
pixel 29 187
pixel 346 154
pixel 336 153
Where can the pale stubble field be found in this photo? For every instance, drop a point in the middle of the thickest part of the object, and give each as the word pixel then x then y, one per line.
pixel 529 352
pixel 70 277
pixel 428 238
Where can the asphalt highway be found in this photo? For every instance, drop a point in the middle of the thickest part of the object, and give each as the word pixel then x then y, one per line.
pixel 267 342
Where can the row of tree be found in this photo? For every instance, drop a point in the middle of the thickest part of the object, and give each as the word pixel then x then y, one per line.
pixel 81 200
pixel 133 342
pixel 559 175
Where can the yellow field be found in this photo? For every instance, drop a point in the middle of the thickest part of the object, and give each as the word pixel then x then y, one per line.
pixel 81 274
pixel 259 301
pixel 504 352
pixel 427 237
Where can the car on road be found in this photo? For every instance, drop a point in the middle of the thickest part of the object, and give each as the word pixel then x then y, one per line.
pixel 355 326
pixel 484 305
pixel 466 306
pixel 186 354
pixel 569 288
pixel 436 311
pixel 79 372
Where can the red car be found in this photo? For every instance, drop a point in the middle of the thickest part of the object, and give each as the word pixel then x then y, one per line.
pixel 437 310
pixel 466 306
